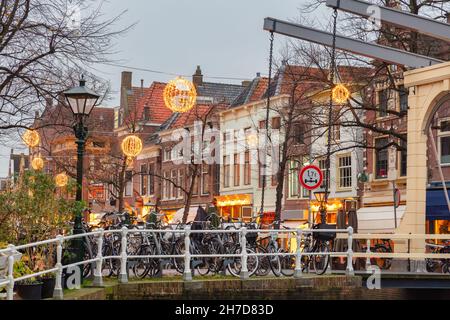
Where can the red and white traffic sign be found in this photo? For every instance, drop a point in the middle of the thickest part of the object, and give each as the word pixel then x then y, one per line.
pixel 310 177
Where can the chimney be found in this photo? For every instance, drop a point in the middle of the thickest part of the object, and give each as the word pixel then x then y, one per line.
pixel 258 74
pixel 197 77
pixel 125 89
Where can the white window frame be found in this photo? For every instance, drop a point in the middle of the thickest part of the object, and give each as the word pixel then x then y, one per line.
pixel 338 171
pixel 293 179
pixel 440 135
pixel 180 183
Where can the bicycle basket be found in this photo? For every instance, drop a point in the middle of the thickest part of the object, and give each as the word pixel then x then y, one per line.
pixel 324 236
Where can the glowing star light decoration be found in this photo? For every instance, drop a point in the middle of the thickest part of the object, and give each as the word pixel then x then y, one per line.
pixel 31 138
pixel 61 180
pixel 180 95
pixel 340 94
pixel 37 163
pixel 132 146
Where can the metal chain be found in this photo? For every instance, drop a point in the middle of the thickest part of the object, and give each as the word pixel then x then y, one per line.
pixel 267 121
pixel 330 108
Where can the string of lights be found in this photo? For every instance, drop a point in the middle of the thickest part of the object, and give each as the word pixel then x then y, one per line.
pixel 171 73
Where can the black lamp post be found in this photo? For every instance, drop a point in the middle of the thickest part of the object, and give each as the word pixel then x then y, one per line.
pixel 322 197
pixel 81 101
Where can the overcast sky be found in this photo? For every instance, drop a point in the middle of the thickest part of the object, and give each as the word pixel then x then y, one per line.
pixel 225 37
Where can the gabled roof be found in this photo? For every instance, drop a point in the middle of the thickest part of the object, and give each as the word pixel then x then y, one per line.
pixel 253 92
pixel 154 100
pixel 221 92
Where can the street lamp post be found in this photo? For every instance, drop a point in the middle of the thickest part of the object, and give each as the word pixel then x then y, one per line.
pixel 321 197
pixel 81 101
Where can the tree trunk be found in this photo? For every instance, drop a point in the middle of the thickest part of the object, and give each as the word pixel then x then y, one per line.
pixel 189 194
pixel 122 184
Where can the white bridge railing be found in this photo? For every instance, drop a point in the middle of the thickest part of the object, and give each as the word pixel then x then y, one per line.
pixel 299 234
pixel 12 250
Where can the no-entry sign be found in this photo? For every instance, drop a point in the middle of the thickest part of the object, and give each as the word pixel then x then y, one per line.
pixel 311 177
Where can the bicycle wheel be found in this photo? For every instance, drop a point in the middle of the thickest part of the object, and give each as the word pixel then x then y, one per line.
pixel 264 263
pixel 179 250
pixel 252 263
pixel 215 263
pixel 142 265
pixel 382 263
pixel 107 265
pixel 275 264
pixel 287 265
pixel 321 260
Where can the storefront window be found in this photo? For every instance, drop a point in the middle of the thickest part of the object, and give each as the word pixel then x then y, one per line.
pixel 381 158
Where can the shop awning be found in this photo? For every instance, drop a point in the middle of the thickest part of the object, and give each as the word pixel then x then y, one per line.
pixel 178 217
pixel 437 208
pixel 379 219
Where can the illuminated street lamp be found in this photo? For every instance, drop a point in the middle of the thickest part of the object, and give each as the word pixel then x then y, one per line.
pixel 81 101
pixel 322 197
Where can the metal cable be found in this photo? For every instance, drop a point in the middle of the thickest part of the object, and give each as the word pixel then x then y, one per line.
pixel 267 121
pixel 330 107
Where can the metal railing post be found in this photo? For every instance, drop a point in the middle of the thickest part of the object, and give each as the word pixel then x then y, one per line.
pixel 187 273
pixel 58 292
pixel 98 279
pixel 349 270
pixel 368 263
pixel 123 276
pixel 244 255
pixel 298 258
pixel 10 287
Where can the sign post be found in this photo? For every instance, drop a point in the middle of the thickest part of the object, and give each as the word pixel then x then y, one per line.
pixel 310 177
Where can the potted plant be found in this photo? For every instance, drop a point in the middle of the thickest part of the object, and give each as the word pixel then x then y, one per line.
pixel 41 263
pixel 29 289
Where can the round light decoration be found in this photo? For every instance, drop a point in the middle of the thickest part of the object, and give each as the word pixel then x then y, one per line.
pixel 180 95
pixel 31 138
pixel 61 180
pixel 340 94
pixel 132 146
pixel 37 163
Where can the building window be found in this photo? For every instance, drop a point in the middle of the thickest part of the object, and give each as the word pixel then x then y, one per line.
pixel 146 113
pixel 128 183
pixel 247 168
pixel 262 124
pixel 298 133
pixel 167 154
pixel 345 171
pixel 381 158
pixel 174 180
pixel 261 175
pixel 403 94
pixel 323 168
pixel 444 141
pixel 151 179
pixel 383 99
pixel 196 184
pixel 181 183
pixel 236 170
pixel 276 123
pixel 144 179
pixel 336 133
pixel 165 185
pixel 205 180
pixel 293 183
pixel 226 171
pixel 403 157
